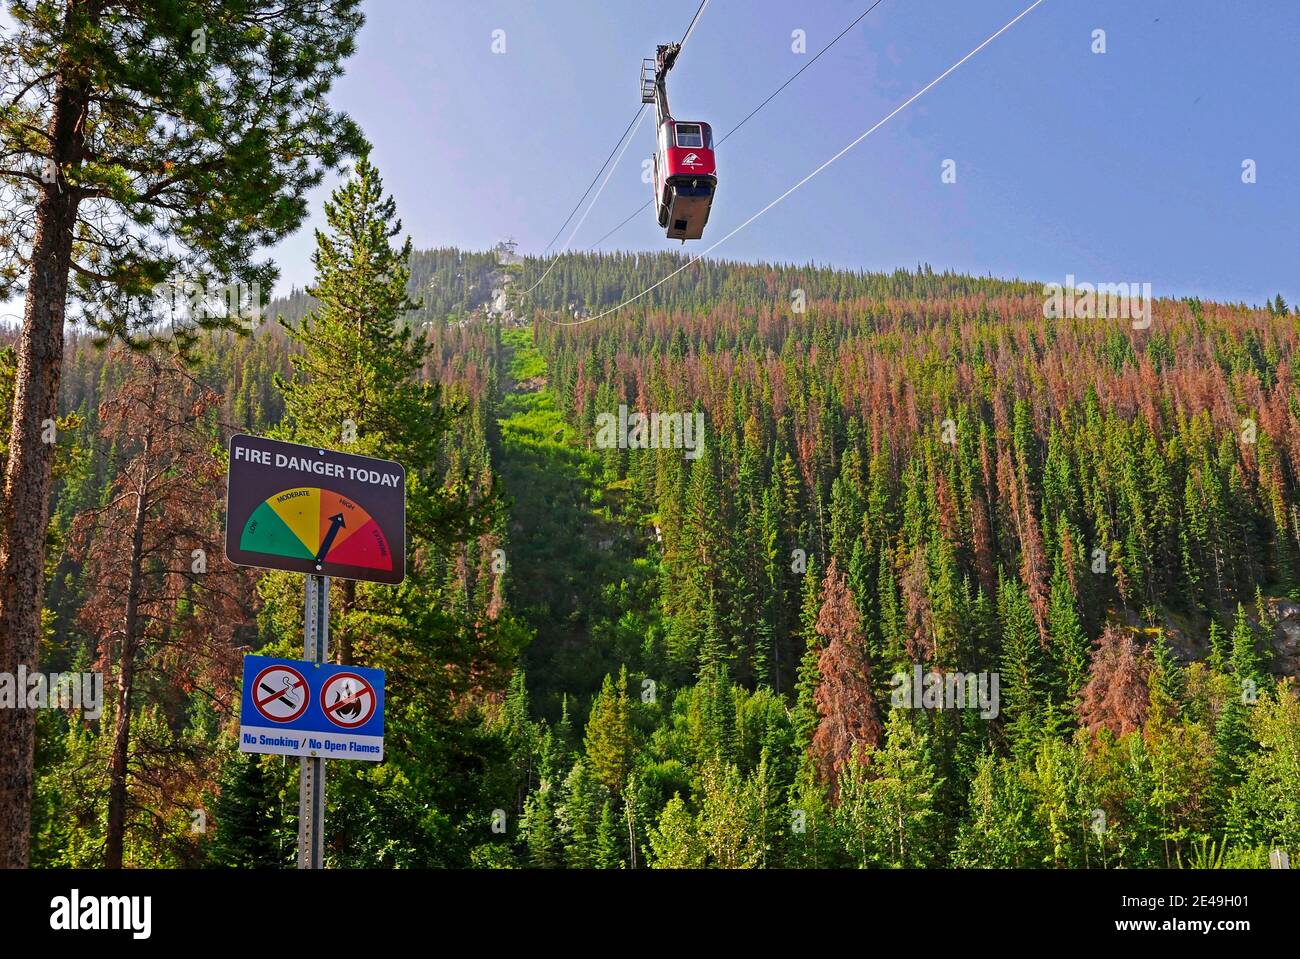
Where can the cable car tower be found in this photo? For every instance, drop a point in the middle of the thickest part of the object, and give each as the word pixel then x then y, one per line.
pixel 685 174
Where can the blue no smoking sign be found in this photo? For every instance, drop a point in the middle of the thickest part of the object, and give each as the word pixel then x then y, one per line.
pixel 292 707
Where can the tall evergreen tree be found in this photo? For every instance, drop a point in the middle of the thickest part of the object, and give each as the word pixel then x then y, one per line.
pixel 246 829
pixel 1244 661
pixel 609 733
pixel 1168 681
pixel 850 722
pixel 579 815
pixel 1023 693
pixel 609 842
pixel 358 382
pixel 104 199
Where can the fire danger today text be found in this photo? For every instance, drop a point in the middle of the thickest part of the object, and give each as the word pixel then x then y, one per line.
pixel 316 467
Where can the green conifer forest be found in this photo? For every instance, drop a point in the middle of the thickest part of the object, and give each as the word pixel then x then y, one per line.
pixel 710 563
pixel 727 656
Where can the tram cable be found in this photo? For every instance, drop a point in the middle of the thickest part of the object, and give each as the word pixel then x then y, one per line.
pixel 625 139
pixel 622 137
pixel 897 110
pixel 772 96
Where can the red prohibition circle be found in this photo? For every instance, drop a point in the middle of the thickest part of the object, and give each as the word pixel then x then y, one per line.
pixel 363 689
pixel 261 697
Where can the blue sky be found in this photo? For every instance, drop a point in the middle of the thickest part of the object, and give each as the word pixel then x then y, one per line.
pixel 1117 166
pixel 1112 167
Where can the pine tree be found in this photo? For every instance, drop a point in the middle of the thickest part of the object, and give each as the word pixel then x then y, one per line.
pixel 521 735
pixel 949 613
pixel 804 718
pixel 579 816
pixel 609 733
pixel 1070 646
pixel 538 827
pixel 1022 683
pixel 138 150
pixel 1233 743
pixel 862 585
pixel 1232 747
pixel 1217 658
pixel 1244 661
pixel 714 711
pixel 358 378
pixel 846 508
pixel 764 636
pixel 247 833
pixel 892 619
pixel 704 550
pixel 715 652
pixel 359 375
pixel 811 604
pixel 845 701
pixel 564 728
pixel 1115 696
pixel 1168 683
pixel 609 839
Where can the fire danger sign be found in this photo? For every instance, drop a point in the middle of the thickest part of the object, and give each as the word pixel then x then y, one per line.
pixel 291 707
pixel 310 510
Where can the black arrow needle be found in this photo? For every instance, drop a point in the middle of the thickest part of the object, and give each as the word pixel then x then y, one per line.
pixel 336 524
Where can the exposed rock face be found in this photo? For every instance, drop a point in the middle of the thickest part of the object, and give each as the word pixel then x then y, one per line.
pixel 1189 644
pixel 499 304
pixel 1286 636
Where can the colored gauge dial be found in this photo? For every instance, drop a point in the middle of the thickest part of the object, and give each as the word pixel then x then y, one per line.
pixel 316 524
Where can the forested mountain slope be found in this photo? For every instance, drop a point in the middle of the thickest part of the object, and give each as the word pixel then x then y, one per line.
pixel 690 656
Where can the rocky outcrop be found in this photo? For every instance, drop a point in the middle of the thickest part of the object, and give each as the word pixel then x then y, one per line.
pixel 1285 614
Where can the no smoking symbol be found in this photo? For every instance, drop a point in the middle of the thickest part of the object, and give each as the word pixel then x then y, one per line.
pixel 280 693
pixel 347 700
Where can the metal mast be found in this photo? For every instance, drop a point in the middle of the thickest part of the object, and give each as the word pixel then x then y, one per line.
pixel 654 79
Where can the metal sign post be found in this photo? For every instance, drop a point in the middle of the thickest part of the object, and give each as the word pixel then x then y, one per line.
pixel 311 776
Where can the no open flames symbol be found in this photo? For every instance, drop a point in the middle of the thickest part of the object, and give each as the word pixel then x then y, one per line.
pixel 347 700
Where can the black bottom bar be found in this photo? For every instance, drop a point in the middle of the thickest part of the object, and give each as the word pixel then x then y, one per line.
pixel 908 908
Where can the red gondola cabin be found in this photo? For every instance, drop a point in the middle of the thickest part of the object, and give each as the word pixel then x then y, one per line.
pixel 685 177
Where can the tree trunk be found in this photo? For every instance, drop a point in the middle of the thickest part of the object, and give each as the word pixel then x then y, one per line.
pixel 116 826
pixel 777 629
pixel 117 764
pixel 27 473
pixel 631 832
